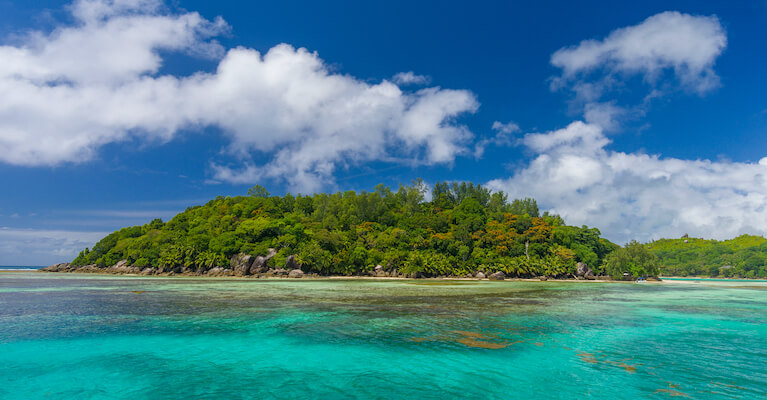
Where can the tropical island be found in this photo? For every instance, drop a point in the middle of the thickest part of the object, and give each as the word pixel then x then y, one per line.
pixel 464 230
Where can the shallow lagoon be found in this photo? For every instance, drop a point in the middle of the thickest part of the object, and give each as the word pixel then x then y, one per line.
pixel 67 336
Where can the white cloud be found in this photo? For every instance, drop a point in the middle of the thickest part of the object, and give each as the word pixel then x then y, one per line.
pixel 79 87
pixel 634 195
pixel 410 78
pixel 503 136
pixel 639 196
pixel 507 128
pixel 43 247
pixel 684 43
pixel 605 115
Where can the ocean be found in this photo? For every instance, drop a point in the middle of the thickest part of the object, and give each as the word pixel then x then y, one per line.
pixel 68 336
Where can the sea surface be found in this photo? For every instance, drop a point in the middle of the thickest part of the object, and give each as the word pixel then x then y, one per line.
pixel 67 336
pixel 17 268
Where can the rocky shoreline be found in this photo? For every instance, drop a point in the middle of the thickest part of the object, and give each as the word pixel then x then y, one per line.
pixel 248 266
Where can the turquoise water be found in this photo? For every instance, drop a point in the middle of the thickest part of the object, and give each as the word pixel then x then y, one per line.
pixel 65 336
pixel 17 268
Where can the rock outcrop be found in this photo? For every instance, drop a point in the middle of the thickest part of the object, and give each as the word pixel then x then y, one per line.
pixel 122 267
pixel 296 273
pixel 291 263
pixel 60 267
pixel 581 269
pixel 261 263
pixel 215 271
pixel 497 276
pixel 480 275
pixel 90 268
pixel 258 266
pixel 277 272
pixel 240 263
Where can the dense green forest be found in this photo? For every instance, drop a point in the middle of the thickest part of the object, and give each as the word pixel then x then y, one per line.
pixel 465 228
pixel 742 257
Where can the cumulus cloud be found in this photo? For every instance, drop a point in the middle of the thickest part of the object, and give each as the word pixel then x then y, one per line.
pixel 634 195
pixel 288 117
pixel 686 44
pixel 639 196
pixel 410 78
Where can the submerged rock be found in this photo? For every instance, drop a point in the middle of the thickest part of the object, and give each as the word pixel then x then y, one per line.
pixel 497 276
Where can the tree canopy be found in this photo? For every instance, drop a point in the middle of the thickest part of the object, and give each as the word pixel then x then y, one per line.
pixel 633 260
pixel 742 257
pixel 464 228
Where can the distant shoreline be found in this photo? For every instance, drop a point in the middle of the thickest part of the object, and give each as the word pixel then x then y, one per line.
pixel 382 278
pixel 333 277
pixel 19 268
pixel 711 278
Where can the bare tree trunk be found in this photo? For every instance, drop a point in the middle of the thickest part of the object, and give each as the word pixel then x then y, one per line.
pixel 527 244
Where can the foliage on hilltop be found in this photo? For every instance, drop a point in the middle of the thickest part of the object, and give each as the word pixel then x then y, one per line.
pixel 464 228
pixel 742 257
pixel 634 259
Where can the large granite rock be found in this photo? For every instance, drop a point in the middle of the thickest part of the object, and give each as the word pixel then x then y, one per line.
pixel 240 263
pixel 291 263
pixel 90 268
pixel 258 266
pixel 581 269
pixel 277 272
pixel 379 271
pixel 60 267
pixel 296 273
pixel 497 276
pixel 215 271
pixel 122 267
pixel 480 275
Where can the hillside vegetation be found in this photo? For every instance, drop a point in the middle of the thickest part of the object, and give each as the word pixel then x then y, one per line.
pixel 464 228
pixel 742 257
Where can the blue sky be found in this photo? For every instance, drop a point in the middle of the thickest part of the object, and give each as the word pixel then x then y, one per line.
pixel 120 111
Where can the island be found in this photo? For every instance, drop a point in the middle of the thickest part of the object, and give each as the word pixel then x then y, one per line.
pixel 463 230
